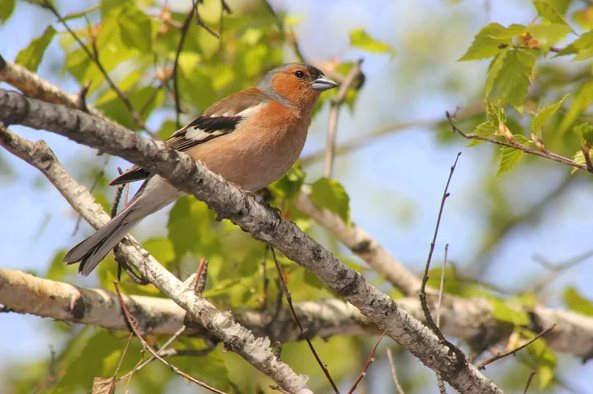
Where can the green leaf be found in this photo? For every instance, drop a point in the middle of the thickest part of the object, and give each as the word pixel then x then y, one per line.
pixel 544 358
pixel 359 38
pixel 582 100
pixel 548 12
pixel 135 28
pixel 179 226
pixel 509 313
pixel 582 47
pixel 544 114
pixel 508 76
pixel 576 302
pixel 548 34
pixel 585 132
pixel 31 56
pixel 330 194
pixel 161 248
pixel 290 184
pixel 484 129
pixel 57 268
pixel 509 158
pixel 6 8
pixel 490 40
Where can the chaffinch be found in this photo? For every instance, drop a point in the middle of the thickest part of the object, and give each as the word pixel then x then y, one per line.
pixel 251 138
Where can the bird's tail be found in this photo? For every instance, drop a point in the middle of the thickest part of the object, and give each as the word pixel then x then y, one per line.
pixel 154 194
pixel 93 249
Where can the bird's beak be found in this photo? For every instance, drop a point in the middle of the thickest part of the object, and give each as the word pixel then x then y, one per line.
pixel 323 83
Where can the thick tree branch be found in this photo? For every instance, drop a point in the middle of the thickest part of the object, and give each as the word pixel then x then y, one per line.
pixel 463 319
pixel 263 223
pixel 363 245
pixel 31 85
pixel 220 324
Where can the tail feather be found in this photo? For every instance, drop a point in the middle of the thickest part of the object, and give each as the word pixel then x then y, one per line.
pixel 93 249
pixel 154 194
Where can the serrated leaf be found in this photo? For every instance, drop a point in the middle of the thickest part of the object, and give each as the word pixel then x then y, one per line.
pixel 135 28
pixel 359 38
pixel 576 302
pixel 578 158
pixel 544 114
pixel 582 100
pixel 584 131
pixel 548 34
pixel 330 194
pixel 509 158
pixel 6 9
pixel 508 77
pixel 582 47
pixel 489 41
pixel 484 129
pixel 548 12
pixel 505 312
pixel 31 56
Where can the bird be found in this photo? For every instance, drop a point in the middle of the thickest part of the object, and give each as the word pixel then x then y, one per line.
pixel 251 138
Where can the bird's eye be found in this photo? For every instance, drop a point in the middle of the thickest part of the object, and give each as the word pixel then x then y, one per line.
pixel 299 74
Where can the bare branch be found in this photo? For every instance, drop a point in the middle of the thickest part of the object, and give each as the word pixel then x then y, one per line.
pixel 23 293
pixel 31 85
pixel 367 364
pixel 361 244
pixel 398 386
pixel 298 323
pixel 235 337
pixel 154 353
pixel 334 111
pixel 497 357
pixel 263 223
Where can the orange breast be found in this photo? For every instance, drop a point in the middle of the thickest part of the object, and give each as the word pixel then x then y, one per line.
pixel 256 154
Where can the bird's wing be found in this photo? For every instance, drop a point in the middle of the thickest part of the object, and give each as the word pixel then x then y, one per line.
pixel 220 119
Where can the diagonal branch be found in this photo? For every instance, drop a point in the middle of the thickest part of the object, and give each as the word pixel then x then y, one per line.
pixel 361 244
pixel 236 338
pixel 31 85
pixel 263 223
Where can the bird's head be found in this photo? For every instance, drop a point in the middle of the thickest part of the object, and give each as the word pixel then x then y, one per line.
pixel 296 83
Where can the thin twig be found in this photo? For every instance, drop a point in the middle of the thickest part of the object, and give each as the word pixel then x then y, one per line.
pixel 393 372
pixel 515 145
pixel 529 379
pixel 422 293
pixel 298 322
pixel 362 140
pixel 94 56
pixel 555 269
pixel 201 277
pixel 334 111
pixel 441 286
pixel 174 76
pixel 496 357
pixel 145 344
pixel 440 382
pixel 201 22
pixel 289 36
pixel 367 364
pixel 161 350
